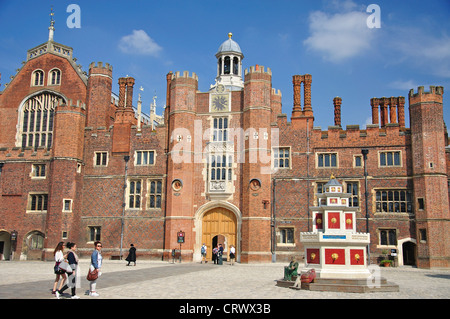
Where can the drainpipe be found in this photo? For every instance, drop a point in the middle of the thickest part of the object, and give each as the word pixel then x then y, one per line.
pixel 126 159
pixel 273 237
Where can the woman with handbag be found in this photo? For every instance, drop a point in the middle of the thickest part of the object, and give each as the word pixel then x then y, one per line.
pixel 94 269
pixel 59 272
pixel 73 281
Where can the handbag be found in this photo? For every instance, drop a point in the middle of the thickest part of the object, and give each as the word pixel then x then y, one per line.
pixel 92 275
pixel 57 270
pixel 65 266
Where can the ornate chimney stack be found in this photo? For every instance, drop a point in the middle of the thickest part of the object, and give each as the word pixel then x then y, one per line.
pixel 122 91
pixel 401 111
pixel 302 118
pixel 375 103
pixel 130 84
pixel 307 80
pixel 337 101
pixel 393 109
pixel 297 81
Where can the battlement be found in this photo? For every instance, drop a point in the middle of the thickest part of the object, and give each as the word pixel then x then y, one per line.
pixel 30 153
pixel 391 132
pixel 99 65
pixel 438 90
pixel 257 69
pixel 434 95
pixel 78 104
pixel 185 75
pixel 276 92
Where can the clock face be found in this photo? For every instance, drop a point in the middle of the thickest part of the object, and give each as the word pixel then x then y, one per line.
pixel 220 88
pixel 219 103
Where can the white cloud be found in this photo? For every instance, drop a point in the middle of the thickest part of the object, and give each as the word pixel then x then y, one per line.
pixel 403 85
pixel 139 42
pixel 339 36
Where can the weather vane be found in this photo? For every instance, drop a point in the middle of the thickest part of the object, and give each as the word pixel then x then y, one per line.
pixel 51 15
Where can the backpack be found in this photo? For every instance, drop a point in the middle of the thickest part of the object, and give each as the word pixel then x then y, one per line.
pixel 203 250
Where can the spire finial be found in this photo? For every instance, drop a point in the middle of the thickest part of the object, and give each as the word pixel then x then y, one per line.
pixel 230 35
pixel 51 28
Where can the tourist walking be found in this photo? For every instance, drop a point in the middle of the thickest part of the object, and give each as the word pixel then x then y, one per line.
pixel 59 272
pixel 131 255
pixel 203 252
pixel 220 255
pixel 73 280
pixel 96 264
pixel 214 254
pixel 232 255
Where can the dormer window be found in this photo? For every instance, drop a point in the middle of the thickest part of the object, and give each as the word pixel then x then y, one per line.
pixel 55 77
pixel 37 78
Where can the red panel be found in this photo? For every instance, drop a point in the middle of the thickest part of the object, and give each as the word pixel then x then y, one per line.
pixel 334 221
pixel 319 221
pixel 313 256
pixel 357 256
pixel 335 256
pixel 348 221
pixel 333 201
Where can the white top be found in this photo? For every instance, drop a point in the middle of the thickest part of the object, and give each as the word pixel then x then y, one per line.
pixel 59 256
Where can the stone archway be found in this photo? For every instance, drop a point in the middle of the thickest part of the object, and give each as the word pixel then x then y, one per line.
pixel 5 245
pixel 217 218
pixel 219 227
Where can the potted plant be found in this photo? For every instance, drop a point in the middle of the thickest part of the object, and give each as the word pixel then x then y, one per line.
pixel 386 262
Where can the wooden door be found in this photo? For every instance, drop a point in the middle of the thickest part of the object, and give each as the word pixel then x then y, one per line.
pixel 218 221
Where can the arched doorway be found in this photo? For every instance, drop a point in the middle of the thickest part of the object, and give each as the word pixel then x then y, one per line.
pixel 5 245
pixel 219 226
pixel 33 246
pixel 409 253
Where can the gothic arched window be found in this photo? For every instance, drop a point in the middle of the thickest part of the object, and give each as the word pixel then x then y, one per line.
pixel 36 120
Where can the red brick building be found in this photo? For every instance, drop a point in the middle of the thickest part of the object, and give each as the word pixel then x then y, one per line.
pixel 79 164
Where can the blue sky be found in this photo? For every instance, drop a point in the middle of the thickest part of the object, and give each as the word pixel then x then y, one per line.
pixel 329 39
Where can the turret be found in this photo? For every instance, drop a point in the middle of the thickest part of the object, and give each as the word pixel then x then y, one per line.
pixel 429 176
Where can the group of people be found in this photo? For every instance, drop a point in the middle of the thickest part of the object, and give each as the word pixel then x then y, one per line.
pixel 217 254
pixel 66 267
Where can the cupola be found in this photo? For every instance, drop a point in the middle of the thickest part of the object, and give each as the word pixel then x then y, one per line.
pixel 229 65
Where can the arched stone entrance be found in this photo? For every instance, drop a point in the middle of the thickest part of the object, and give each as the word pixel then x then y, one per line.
pixel 33 246
pixel 5 245
pixel 218 227
pixel 217 223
